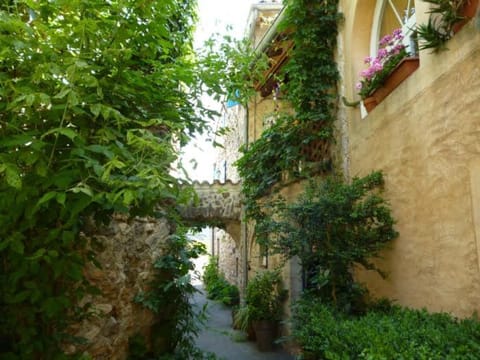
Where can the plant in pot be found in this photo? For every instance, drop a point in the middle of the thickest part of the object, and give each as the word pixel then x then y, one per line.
pixel 447 17
pixel 392 64
pixel 264 297
pixel 242 321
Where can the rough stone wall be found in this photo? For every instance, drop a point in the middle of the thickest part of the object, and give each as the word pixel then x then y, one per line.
pixel 216 202
pixel 425 136
pixel 126 251
pixel 227 248
pixel 228 257
pixel 235 122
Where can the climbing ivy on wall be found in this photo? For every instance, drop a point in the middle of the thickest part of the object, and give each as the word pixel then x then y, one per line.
pixel 311 90
pixel 93 95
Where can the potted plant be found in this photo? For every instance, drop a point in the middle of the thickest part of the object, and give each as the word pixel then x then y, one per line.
pixel 242 321
pixel 447 18
pixel 264 297
pixel 386 70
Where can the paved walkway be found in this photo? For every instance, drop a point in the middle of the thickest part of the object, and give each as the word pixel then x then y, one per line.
pixel 219 338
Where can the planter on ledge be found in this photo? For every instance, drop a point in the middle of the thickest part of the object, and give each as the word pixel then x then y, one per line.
pixel 468 12
pixel 370 103
pixel 403 70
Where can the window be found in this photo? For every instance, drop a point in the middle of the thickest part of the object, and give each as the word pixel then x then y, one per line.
pixel 390 15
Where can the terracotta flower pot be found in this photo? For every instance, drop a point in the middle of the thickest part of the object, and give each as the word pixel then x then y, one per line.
pixel 265 331
pixel 468 12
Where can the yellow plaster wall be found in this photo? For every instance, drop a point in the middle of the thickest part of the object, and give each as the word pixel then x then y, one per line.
pixel 425 136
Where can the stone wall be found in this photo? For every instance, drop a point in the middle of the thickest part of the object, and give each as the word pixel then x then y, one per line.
pixel 228 247
pixel 228 257
pixel 217 202
pixel 126 250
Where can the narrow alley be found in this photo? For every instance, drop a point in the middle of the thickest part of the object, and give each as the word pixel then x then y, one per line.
pixel 220 338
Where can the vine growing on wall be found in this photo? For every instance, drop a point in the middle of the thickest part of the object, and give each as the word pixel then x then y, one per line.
pixel 310 77
pixel 169 297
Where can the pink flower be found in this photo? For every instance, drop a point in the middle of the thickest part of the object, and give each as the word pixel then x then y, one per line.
pixel 365 73
pixel 382 53
pixel 377 65
pixel 391 51
pixel 397 34
pixel 397 48
pixel 386 40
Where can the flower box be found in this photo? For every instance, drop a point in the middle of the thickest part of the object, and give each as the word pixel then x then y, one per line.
pixel 403 70
pixel 370 103
pixel 391 65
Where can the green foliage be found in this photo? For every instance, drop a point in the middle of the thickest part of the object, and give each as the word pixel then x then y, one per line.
pixel 439 28
pixel 169 297
pixel 431 37
pixel 217 286
pixel 331 227
pixel 137 348
pixel 389 332
pixel 311 90
pixel 264 296
pixel 92 96
pixel 233 59
pixel 242 318
pixel 312 70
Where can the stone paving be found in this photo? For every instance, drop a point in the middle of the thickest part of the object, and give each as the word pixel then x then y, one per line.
pixel 227 344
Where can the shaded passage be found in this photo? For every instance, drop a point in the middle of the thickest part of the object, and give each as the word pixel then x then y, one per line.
pixel 219 338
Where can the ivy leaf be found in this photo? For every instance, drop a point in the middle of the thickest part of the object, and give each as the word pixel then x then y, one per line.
pixel 83 188
pixel 128 196
pixel 68 132
pixel 37 255
pixel 16 245
pixel 12 176
pixel 64 92
pixel 46 197
pixel 19 297
pixel 95 109
pixel 15 140
pixel 61 197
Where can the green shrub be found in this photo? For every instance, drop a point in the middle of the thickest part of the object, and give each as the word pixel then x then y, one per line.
pixel 230 295
pixel 386 332
pixel 217 287
pixel 264 296
pixel 332 227
pixel 169 295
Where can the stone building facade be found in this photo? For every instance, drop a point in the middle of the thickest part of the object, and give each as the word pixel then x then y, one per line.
pixel 226 248
pixel 425 137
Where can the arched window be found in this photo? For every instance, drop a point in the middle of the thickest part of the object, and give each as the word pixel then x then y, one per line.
pixel 390 15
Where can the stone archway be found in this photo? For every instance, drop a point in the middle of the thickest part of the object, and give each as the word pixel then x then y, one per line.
pixel 217 204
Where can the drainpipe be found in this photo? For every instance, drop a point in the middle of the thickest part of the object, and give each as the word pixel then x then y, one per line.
pixel 213 241
pixel 244 228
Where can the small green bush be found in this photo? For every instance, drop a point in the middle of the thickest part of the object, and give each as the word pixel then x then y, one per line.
pixel 264 296
pixel 386 332
pixel 217 287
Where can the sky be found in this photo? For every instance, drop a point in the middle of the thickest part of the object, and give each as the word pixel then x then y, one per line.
pixel 214 16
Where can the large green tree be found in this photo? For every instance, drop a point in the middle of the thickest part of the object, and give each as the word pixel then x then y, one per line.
pixel 96 96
